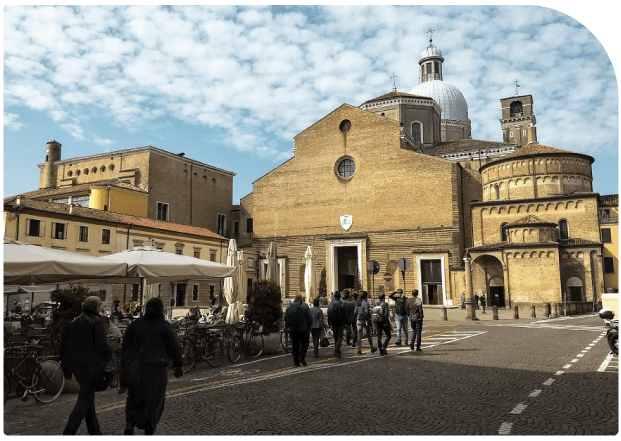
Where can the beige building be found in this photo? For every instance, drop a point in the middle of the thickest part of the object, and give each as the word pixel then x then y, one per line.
pixel 394 179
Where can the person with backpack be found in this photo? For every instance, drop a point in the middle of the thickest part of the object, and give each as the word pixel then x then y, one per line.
pixel 352 331
pixel 363 321
pixel 401 315
pixel 382 321
pixel 298 322
pixel 415 313
pixel 84 351
pixel 317 326
pixel 337 320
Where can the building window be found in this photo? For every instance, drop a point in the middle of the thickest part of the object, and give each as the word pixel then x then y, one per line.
pixel 105 236
pixel 34 227
pixel 61 201
pixel 249 225
pixel 162 211
pixel 235 227
pixel 70 173
pixel 503 232
pixel 417 131
pixel 85 172
pixel 345 126
pixel 221 224
pixel 195 292
pixel 212 295
pixel 609 265
pixel 563 230
pixel 606 236
pixel 510 134
pixel 346 168
pixel 59 230
pixel 181 289
pixel 103 168
pixel 197 254
pixel 83 234
pixel 516 108
pixel 135 292
pixel 83 201
pixel 78 172
pixel 523 132
pixel 212 256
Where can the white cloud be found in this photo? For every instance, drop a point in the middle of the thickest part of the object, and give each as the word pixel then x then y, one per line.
pixel 74 130
pixel 11 122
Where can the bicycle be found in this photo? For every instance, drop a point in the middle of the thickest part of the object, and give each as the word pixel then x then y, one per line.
pixel 40 376
pixel 285 340
pixel 248 341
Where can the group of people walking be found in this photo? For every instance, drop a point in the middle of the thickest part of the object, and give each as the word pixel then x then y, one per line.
pixel 351 319
pixel 85 354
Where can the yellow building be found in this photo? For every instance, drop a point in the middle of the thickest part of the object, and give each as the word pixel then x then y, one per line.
pixel 608 210
pixel 98 233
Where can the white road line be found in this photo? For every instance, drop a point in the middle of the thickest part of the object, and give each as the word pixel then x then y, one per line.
pixel 549 382
pixel 559 373
pixel 535 393
pixel 567 366
pixel 519 408
pixel 605 364
pixel 505 429
pixel 574 360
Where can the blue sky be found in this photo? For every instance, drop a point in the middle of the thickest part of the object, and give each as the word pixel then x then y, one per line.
pixel 231 86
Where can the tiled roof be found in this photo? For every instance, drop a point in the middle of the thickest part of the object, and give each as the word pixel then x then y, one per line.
pixel 109 216
pixel 465 145
pixel 72 189
pixel 397 95
pixel 535 149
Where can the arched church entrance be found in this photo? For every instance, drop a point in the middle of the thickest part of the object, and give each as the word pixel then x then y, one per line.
pixel 488 280
pixel 575 289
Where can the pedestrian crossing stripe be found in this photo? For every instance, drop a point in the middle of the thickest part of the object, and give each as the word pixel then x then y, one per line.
pixel 536 325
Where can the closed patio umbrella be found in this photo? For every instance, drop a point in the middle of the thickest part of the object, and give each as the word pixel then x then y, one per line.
pixel 242 282
pixel 272 263
pixel 230 284
pixel 310 281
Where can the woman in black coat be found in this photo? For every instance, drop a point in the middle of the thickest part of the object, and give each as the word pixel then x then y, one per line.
pixel 153 338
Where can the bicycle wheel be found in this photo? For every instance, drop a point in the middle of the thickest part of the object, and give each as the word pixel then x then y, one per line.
pixel 7 387
pixel 188 355
pixel 234 349
pixel 255 345
pixel 285 341
pixel 49 381
pixel 214 352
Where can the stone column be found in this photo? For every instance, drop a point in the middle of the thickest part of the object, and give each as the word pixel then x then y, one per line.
pixel 470 307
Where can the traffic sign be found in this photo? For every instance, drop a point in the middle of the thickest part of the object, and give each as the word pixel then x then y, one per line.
pixel 404 264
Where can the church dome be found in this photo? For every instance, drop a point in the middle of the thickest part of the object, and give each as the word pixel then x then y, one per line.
pixel 450 99
pixel 431 51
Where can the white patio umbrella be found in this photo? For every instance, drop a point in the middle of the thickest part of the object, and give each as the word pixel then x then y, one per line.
pixel 149 265
pixel 230 284
pixel 242 282
pixel 310 281
pixel 272 263
pixel 30 264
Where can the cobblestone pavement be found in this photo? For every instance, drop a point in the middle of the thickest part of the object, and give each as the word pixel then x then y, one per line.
pixel 518 377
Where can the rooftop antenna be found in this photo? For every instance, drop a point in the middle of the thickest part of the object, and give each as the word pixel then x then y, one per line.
pixel 394 82
pixel 430 32
pixel 516 87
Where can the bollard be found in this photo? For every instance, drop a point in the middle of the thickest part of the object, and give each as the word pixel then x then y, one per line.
pixel 495 312
pixel 556 312
pixel 546 310
pixel 532 312
pixel 443 313
pixel 516 315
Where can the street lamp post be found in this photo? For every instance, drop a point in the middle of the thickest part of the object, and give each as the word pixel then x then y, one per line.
pixel 470 307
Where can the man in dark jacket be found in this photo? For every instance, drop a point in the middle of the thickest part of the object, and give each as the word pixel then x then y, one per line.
pixel 337 319
pixel 401 315
pixel 415 313
pixel 298 321
pixel 383 326
pixel 352 331
pixel 84 351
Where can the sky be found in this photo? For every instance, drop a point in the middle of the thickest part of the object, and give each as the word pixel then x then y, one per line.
pixel 231 86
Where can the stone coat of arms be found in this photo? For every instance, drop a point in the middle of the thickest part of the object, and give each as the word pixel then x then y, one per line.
pixel 346 221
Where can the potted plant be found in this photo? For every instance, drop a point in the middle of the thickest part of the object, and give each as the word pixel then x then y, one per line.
pixel 265 308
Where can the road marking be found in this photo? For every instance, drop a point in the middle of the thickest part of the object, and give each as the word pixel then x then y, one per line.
pixel 605 364
pixel 567 366
pixel 574 360
pixel 519 408
pixel 559 373
pixel 549 382
pixel 580 355
pixel 535 393
pixel 505 428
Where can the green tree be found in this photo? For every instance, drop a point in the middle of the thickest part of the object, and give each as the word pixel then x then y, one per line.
pixel 265 305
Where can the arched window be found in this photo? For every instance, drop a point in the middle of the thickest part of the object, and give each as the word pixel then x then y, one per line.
pixel 417 131
pixel 496 192
pixel 563 231
pixel 503 232
pixel 516 108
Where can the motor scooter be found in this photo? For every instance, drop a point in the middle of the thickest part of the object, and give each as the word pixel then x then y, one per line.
pixel 612 329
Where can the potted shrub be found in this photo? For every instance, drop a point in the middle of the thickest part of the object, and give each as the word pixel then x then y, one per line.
pixel 265 308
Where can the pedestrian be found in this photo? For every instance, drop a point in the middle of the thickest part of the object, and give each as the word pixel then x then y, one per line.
pixel 415 313
pixel 476 301
pixel 317 326
pixel 463 300
pixel 352 329
pixel 383 325
pixel 298 323
pixel 152 339
pixel 83 352
pixel 401 315
pixel 337 321
pixel 363 321
pixel 483 301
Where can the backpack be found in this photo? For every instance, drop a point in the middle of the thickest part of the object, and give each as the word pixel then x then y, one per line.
pixel 377 314
pixel 336 314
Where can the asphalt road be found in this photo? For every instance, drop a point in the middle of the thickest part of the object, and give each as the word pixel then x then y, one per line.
pixel 507 377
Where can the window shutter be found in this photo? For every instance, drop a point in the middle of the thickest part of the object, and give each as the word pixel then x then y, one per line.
pixel 53 232
pixel 27 227
pixel 41 228
pixel 65 231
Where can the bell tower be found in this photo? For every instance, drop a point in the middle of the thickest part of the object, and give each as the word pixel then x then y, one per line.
pixel 518 119
pixel 49 172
